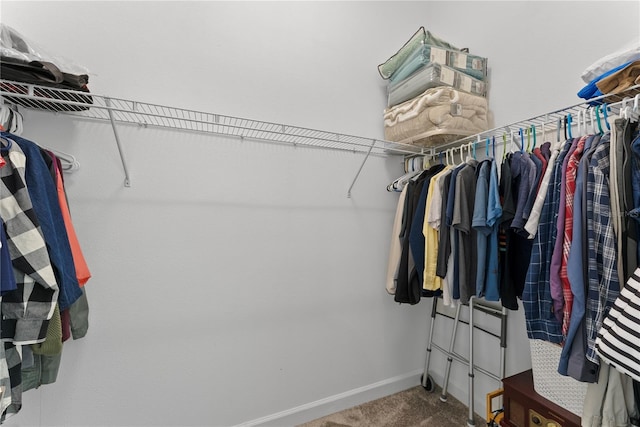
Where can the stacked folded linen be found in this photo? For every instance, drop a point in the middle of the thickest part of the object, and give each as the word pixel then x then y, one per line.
pixel 436 92
pixel 437 116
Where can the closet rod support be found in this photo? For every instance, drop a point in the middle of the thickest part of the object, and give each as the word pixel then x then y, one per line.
pixel 127 181
pixel 373 142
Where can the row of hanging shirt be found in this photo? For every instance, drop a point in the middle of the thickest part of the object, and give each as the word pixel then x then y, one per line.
pixel 42 270
pixel 586 243
pixel 469 229
pixel 454 223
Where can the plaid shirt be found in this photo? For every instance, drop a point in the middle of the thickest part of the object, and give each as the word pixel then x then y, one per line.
pixel 536 298
pixel 570 188
pixel 604 283
pixel 25 311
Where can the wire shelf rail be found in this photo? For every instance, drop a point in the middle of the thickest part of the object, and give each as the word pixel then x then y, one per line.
pixel 117 111
pixel 92 106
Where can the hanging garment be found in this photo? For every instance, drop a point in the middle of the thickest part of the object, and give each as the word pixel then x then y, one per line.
pixel 479 224
pixel 431 224
pixel 570 186
pixel 494 212
pixel 534 217
pixel 630 227
pixel 461 221
pixel 81 268
pixel 444 247
pixel 27 310
pixel 634 212
pixel 507 294
pixel 7 279
pixel 453 265
pixel 395 251
pixel 555 282
pixel 518 247
pixel 537 299
pixel 604 286
pixel 409 283
pixel 416 237
pixel 43 194
pixel 572 359
pixel 618 341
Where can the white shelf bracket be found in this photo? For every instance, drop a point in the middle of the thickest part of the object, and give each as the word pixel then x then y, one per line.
pixel 373 142
pixel 127 181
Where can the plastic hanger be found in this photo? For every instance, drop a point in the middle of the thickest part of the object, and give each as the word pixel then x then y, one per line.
pixel 605 107
pixel 533 131
pixel 493 145
pixel 579 122
pixel 504 146
pixel 486 148
pixel 598 119
pixel 558 129
pixel 521 140
pixel 569 125
pixel 634 112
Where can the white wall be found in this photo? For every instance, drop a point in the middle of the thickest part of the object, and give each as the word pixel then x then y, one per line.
pixel 234 280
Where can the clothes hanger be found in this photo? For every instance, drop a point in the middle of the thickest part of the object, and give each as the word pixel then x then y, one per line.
pixel 521 140
pixel 504 146
pixel 598 119
pixel 558 129
pixel 605 107
pixel 635 111
pixel 533 130
pixel 579 122
pixel 493 145
pixel 569 125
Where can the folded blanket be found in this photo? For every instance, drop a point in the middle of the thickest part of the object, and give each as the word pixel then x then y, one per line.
pixel 420 37
pixel 441 114
pixel 629 53
pixel 621 80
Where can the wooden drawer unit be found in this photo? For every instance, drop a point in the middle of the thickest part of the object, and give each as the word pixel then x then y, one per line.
pixel 523 407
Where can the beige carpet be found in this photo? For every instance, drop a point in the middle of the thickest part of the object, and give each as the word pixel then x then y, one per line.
pixel 409 408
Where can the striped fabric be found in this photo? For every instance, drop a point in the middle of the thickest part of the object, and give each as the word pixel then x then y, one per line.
pixel 618 341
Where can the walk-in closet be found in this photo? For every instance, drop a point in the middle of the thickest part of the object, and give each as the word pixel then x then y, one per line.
pixel 230 187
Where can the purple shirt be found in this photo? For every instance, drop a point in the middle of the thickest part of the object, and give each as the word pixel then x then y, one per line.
pixel 555 283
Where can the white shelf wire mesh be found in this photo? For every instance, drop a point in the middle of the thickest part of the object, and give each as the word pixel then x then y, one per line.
pixel 554 120
pixel 92 106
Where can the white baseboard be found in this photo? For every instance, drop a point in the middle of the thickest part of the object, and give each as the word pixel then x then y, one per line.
pixel 329 405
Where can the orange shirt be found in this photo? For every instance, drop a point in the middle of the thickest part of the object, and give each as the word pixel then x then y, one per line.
pixel 82 270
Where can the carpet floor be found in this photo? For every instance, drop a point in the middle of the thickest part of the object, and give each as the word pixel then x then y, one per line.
pixel 414 407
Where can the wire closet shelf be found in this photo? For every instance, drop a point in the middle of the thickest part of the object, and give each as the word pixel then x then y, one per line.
pixel 554 121
pixel 99 107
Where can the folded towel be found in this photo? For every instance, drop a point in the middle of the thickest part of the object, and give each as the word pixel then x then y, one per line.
pixel 438 115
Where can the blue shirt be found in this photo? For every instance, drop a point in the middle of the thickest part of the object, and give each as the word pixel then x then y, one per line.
pixel 479 223
pixel 494 212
